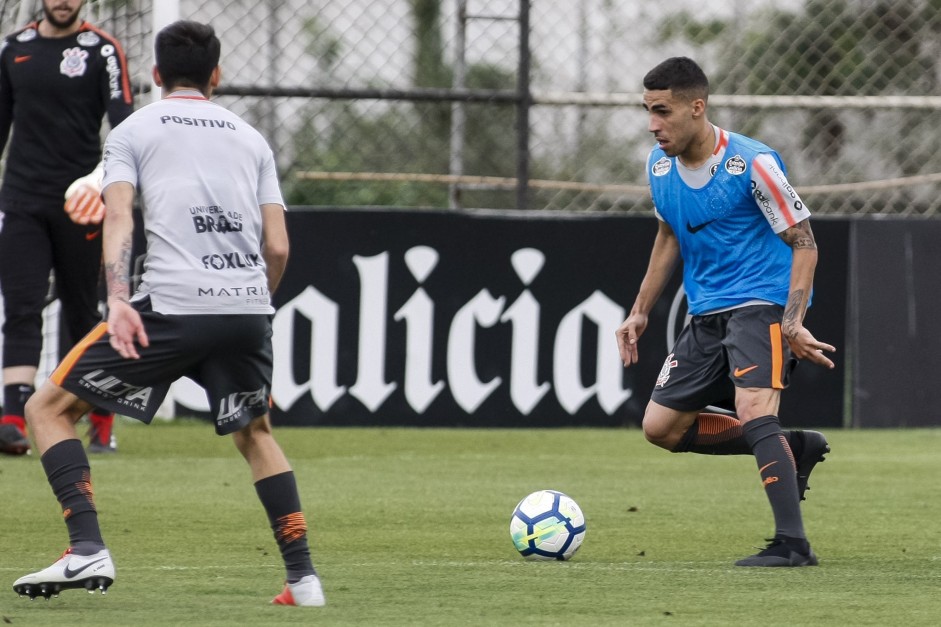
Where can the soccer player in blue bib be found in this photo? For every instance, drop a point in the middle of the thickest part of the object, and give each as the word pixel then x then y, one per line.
pixel 727 211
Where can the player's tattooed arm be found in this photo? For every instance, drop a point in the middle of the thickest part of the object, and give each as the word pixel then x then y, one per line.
pixel 793 314
pixel 803 262
pixel 118 236
pixel 118 272
pixel 799 236
pixel 125 328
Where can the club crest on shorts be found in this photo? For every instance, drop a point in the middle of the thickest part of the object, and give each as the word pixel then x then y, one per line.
pixel 73 62
pixel 668 364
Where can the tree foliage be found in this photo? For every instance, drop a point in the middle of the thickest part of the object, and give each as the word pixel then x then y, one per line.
pixel 400 137
pixel 830 47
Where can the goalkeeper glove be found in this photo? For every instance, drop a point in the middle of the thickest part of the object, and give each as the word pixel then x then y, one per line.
pixel 83 201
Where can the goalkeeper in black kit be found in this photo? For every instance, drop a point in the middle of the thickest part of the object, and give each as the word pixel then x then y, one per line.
pixel 59 77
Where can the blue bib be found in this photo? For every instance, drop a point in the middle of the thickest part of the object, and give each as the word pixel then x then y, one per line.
pixel 730 253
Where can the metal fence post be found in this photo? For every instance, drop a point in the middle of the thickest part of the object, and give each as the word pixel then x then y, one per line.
pixel 458 112
pixel 163 14
pixel 522 110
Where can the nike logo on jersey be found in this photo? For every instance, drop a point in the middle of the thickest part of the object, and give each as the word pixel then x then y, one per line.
pixel 743 371
pixel 698 227
pixel 92 235
pixel 21 58
pixel 69 573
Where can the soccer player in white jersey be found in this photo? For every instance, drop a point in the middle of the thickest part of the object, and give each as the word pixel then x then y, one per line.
pixel 727 211
pixel 217 246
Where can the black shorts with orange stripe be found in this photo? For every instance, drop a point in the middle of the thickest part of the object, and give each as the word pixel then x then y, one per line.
pixel 230 356
pixel 718 352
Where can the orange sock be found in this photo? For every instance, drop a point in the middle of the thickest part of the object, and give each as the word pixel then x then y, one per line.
pixel 714 434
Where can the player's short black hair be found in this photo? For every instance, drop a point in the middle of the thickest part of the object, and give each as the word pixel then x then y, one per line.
pixel 186 53
pixel 681 75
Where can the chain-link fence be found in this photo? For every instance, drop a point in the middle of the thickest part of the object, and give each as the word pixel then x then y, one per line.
pixel 419 103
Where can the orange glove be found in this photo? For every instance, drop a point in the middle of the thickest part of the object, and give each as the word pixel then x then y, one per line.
pixel 83 199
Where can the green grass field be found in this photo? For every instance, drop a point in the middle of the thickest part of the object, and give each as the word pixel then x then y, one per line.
pixel 410 527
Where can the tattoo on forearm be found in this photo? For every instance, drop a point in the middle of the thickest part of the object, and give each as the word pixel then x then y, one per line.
pixel 799 236
pixel 793 313
pixel 117 273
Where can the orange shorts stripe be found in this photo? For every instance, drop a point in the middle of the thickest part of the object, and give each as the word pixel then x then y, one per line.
pixel 777 356
pixel 65 366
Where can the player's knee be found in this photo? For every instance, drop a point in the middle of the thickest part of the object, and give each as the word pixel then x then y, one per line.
pixel 260 426
pixel 249 434
pixel 45 407
pixel 751 403
pixel 658 434
pixel 666 427
pixel 30 411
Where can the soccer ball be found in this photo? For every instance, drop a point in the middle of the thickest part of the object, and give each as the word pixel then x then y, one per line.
pixel 547 525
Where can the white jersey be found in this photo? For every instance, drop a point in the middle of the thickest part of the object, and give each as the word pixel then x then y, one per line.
pixel 202 172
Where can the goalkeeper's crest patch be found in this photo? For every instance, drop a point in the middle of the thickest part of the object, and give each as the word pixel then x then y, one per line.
pixel 73 62
pixel 88 38
pixel 27 35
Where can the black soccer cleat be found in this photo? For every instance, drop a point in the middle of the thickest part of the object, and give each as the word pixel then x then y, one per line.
pixel 782 552
pixel 809 448
pixel 12 440
pixel 98 443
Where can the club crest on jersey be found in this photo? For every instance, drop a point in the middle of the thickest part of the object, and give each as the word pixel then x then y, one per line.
pixel 27 35
pixel 735 165
pixel 662 167
pixel 73 62
pixel 664 376
pixel 88 38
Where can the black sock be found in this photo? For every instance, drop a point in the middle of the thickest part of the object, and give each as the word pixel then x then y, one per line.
pixel 69 474
pixel 278 495
pixel 15 396
pixel 778 474
pixel 714 434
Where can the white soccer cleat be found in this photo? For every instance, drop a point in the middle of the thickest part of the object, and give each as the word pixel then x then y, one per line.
pixel 306 592
pixel 91 572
